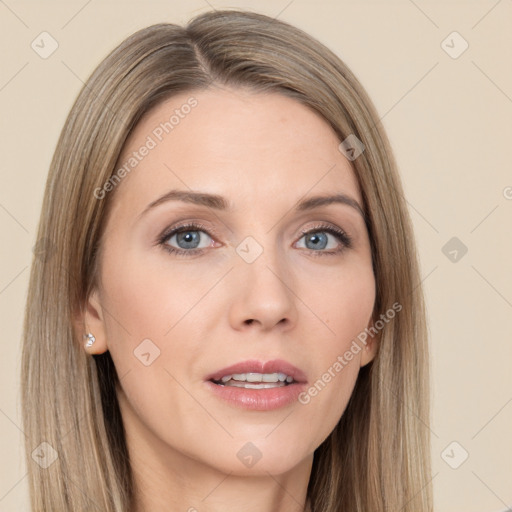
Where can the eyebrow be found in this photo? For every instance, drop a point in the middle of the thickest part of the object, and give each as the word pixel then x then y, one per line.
pixel 218 202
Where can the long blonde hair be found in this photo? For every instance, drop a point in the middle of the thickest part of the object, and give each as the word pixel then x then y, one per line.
pixel 378 456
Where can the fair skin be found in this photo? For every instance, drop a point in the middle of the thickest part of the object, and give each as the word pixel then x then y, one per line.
pixel 262 153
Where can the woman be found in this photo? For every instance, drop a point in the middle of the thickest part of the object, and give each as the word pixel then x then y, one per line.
pixel 229 314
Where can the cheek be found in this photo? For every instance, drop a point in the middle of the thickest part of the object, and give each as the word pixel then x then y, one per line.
pixel 325 400
pixel 152 311
pixel 342 300
pixel 346 307
pixel 147 297
pixel 138 311
pixel 146 322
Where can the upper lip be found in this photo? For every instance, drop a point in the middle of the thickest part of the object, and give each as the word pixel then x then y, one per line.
pixel 255 366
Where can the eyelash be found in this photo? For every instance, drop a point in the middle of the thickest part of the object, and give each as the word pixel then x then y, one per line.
pixel 344 238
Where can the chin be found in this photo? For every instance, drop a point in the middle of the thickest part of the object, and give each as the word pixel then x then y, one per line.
pixel 259 458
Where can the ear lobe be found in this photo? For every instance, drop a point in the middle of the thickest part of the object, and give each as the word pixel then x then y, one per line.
pixel 371 345
pixel 92 320
pixel 369 352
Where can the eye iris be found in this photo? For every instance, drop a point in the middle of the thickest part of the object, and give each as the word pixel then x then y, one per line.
pixel 317 239
pixel 191 239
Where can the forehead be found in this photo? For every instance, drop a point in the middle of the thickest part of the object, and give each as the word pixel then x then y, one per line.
pixel 244 145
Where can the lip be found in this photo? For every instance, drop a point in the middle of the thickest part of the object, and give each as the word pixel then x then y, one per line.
pixel 259 399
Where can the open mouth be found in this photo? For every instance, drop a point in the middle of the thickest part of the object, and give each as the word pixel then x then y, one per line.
pixel 255 380
pixel 257 386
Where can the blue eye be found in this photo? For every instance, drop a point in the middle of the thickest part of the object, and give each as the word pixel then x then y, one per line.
pixel 188 238
pixel 317 239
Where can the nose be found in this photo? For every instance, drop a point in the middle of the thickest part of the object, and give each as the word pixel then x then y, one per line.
pixel 263 296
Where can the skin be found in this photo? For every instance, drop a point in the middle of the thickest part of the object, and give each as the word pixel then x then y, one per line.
pixel 263 153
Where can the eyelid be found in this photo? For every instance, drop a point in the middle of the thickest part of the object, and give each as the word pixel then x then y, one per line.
pixel 187 225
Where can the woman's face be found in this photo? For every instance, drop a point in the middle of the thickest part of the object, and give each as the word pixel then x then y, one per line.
pixel 243 283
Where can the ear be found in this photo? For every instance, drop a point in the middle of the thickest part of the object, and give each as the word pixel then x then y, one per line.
pixel 92 320
pixel 371 345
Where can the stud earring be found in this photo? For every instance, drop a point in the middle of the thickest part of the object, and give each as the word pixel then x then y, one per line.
pixel 90 339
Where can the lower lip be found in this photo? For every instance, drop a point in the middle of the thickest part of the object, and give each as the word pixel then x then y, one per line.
pixel 267 399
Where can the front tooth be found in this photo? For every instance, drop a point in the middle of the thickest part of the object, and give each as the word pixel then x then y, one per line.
pixel 253 377
pixel 257 377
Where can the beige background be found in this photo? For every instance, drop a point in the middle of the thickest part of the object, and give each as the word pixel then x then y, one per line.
pixel 449 121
